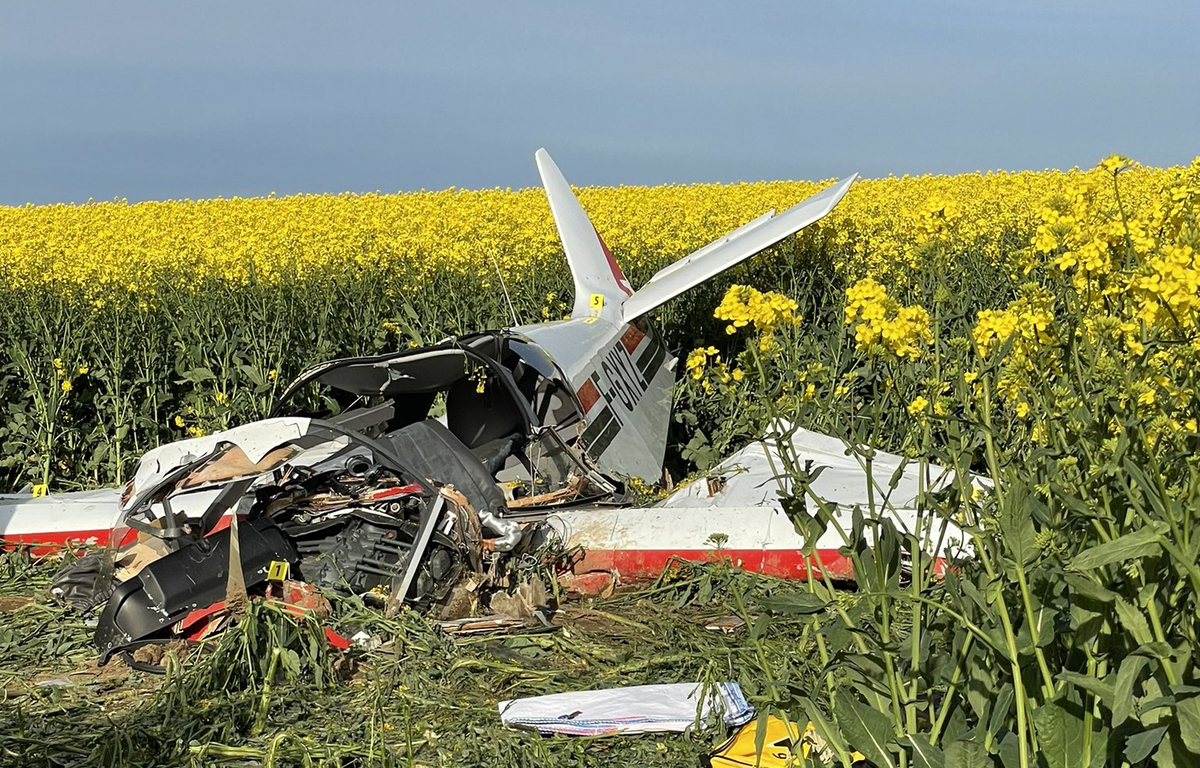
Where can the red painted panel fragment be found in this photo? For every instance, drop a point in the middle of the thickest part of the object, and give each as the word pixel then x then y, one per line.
pixel 588 395
pixel 631 338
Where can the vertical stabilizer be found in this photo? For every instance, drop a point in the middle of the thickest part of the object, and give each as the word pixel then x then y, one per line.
pixel 600 286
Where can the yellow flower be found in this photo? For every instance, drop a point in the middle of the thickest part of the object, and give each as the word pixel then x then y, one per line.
pixel 66 385
pixel 743 305
pixel 938 216
pixel 698 358
pixel 179 422
pixel 1114 164
pixel 83 369
pixel 1030 317
pixel 881 325
pixel 918 406
pixel 738 374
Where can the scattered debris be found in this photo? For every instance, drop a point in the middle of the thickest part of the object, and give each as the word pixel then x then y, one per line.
pixel 87 582
pixel 366 640
pixel 528 600
pixel 726 624
pixel 14 604
pixel 485 625
pixel 56 682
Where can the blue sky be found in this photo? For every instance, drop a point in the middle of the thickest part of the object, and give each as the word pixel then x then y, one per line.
pixel 149 100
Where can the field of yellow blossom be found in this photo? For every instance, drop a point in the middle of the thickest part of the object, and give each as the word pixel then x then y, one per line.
pixel 126 325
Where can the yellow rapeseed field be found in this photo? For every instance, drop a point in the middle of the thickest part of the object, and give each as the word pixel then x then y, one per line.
pixel 126 325
pixel 105 250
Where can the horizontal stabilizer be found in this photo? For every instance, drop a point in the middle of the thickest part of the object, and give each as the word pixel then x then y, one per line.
pixel 731 249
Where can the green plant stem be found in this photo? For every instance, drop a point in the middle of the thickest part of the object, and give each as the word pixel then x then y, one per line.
pixel 951 689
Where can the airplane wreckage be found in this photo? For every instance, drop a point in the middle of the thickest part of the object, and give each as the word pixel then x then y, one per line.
pixel 396 476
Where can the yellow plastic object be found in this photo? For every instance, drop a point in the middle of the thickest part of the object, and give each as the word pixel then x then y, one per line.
pixel 278 571
pixel 777 747
pixel 740 752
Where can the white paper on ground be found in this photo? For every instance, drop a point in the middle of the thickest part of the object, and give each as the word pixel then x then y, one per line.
pixel 633 709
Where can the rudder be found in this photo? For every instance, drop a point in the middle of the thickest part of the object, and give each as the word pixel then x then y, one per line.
pixel 600 286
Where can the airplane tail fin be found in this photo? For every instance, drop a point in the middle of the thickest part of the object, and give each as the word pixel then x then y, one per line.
pixel 600 286
pixel 601 289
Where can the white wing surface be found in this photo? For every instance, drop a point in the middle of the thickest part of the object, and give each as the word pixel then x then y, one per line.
pixel 731 249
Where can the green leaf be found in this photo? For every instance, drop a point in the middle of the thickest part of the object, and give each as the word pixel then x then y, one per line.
pixel 1102 689
pixel 1187 714
pixel 198 375
pixel 1060 731
pixel 1134 621
pixel 887 551
pixel 1009 751
pixel 825 728
pixel 1127 676
pixel 867 730
pixel 1173 753
pixel 1099 755
pixel 924 754
pixel 760 733
pixel 1019 534
pixel 1153 708
pixel 1000 709
pixel 1140 543
pixel 256 377
pixel 790 603
pixel 1043 617
pixel 966 754
pixel 1140 745
pixel 760 627
pixel 1082 585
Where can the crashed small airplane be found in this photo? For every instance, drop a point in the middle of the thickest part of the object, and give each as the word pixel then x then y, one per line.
pixel 395 475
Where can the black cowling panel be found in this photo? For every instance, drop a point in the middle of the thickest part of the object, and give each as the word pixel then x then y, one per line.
pixel 193 577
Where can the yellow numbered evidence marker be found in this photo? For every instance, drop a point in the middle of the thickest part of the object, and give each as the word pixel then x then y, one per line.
pixel 781 737
pixel 596 303
pixel 278 571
